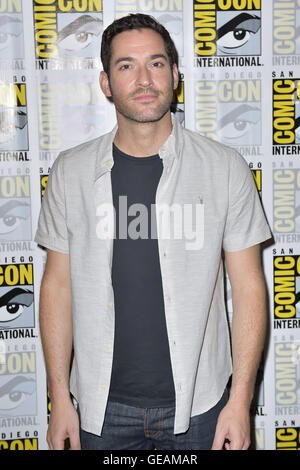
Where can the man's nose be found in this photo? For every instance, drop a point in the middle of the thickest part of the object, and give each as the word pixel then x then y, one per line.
pixel 144 76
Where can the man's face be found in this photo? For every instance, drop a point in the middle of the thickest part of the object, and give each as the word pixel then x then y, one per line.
pixel 141 81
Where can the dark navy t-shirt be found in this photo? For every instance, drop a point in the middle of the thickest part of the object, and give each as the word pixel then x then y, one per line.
pixel 141 371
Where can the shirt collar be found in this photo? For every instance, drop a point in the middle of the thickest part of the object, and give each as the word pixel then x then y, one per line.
pixel 173 146
pixel 169 150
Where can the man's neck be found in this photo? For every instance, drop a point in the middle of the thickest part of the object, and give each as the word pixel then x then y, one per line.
pixel 142 139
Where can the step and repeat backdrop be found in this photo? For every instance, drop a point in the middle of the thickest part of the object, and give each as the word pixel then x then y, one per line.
pixel 240 84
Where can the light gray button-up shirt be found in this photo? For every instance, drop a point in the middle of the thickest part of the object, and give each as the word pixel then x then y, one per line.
pixel 223 211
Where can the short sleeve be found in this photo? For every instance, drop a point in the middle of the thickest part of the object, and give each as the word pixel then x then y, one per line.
pixel 246 224
pixel 52 229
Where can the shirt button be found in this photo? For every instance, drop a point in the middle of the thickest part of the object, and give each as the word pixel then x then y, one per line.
pixel 102 388
pixel 174 342
pixel 110 304
pixel 107 347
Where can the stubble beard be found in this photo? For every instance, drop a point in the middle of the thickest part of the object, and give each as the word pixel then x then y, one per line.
pixel 127 110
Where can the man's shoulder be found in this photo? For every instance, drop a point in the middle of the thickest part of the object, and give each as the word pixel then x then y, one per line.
pixel 208 146
pixel 83 153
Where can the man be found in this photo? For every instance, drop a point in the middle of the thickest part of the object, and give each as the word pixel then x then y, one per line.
pixel 145 311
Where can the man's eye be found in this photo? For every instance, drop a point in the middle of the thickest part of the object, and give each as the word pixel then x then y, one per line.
pixel 158 64
pixel 125 67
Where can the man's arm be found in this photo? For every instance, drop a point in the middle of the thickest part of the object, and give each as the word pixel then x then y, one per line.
pixel 248 334
pixel 57 338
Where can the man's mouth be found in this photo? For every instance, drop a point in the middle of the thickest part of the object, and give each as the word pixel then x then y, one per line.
pixel 145 97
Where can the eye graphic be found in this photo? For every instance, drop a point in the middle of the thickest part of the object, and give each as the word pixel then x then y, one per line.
pixel 297 130
pixel 12 214
pixel 173 24
pixel 15 392
pixel 10 28
pixel 9 223
pixel 237 32
pixel 81 123
pixel 13 303
pixel 80 33
pixel 238 122
pixel 233 39
pixel 10 121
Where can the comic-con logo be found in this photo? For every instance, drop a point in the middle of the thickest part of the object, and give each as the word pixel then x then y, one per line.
pixel 286 275
pixel 11 30
pixel 13 116
pixel 287 376
pixel 286 200
pixel 227 28
pixel 70 111
pixel 16 296
pixel 15 207
pixel 67 28
pixel 286 116
pixel 166 12
pixel 229 111
pixel 26 443
pixel 288 438
pixel 18 384
pixel 286 23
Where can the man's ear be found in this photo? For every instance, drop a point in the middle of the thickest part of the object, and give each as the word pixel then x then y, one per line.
pixel 175 76
pixel 104 84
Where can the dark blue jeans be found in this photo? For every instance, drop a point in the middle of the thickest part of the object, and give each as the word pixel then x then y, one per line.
pixel 129 428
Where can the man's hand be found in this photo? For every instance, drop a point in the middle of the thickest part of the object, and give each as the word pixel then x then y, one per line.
pixel 233 426
pixel 63 424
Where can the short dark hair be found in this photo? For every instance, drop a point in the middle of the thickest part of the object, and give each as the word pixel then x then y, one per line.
pixel 130 22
